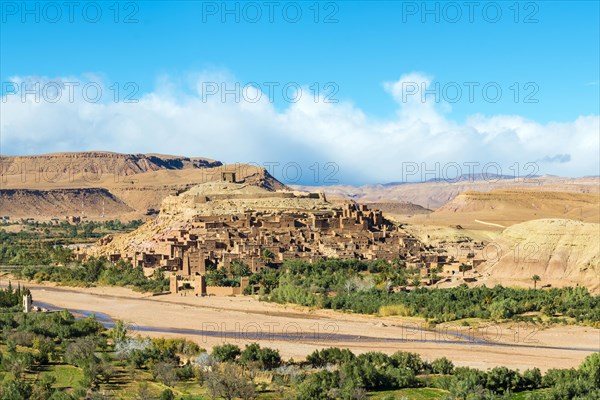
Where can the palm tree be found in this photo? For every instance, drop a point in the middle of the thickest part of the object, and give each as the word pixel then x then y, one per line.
pixel 535 279
pixel 267 256
pixel 433 275
pixel 463 267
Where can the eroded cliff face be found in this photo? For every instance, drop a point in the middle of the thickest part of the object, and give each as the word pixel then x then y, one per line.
pixel 65 166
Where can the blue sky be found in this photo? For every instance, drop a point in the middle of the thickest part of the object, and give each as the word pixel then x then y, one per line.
pixel 551 53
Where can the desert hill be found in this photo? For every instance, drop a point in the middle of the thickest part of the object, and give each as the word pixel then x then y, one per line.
pixel 140 182
pixel 398 208
pixel 39 204
pixel 562 252
pixel 133 184
pixel 501 208
pixel 434 194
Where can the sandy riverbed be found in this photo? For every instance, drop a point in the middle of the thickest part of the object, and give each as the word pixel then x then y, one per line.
pixel 297 331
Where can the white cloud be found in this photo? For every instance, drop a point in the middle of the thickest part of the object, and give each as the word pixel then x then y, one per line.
pixel 178 119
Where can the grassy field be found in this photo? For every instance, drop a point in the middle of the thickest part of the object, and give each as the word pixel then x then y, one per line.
pixel 67 376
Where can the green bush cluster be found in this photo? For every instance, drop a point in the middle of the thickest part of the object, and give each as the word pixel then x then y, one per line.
pixel 42 243
pixel 97 271
pixel 374 371
pixel 32 342
pixel 51 338
pixel 364 287
pixel 10 297
pixel 252 355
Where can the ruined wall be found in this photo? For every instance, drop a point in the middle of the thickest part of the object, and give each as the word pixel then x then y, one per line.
pixel 222 291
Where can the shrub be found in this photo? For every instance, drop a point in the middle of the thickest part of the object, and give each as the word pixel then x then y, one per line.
pixel 442 366
pixel 394 309
pixel 226 353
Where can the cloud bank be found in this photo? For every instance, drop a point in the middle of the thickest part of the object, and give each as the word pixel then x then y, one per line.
pixel 328 142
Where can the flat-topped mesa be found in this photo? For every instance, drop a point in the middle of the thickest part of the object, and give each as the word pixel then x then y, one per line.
pixel 105 162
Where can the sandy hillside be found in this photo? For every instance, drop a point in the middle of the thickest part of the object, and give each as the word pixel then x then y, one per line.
pixel 398 208
pixel 562 252
pixel 95 203
pixel 501 208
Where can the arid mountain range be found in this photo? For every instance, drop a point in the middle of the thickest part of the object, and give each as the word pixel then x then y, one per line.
pixel 57 185
pixel 559 218
pixel 434 194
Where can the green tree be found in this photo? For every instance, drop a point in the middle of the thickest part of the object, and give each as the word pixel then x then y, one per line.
pixel 81 351
pixel 119 332
pixel 442 366
pixel 226 352
pixel 45 347
pixel 590 368
pixel 501 379
pixel 228 382
pixel 165 372
pixel 42 388
pixel 408 360
pixel 216 277
pixel 532 378
pixel 239 268
pixel 268 256
pixel 535 279
pixel 167 394
pixel 318 386
pixel 15 389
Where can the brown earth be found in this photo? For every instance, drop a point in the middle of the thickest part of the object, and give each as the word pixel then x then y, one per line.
pixel 104 185
pixel 398 208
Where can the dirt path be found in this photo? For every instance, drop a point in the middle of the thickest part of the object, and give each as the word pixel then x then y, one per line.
pixel 490 224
